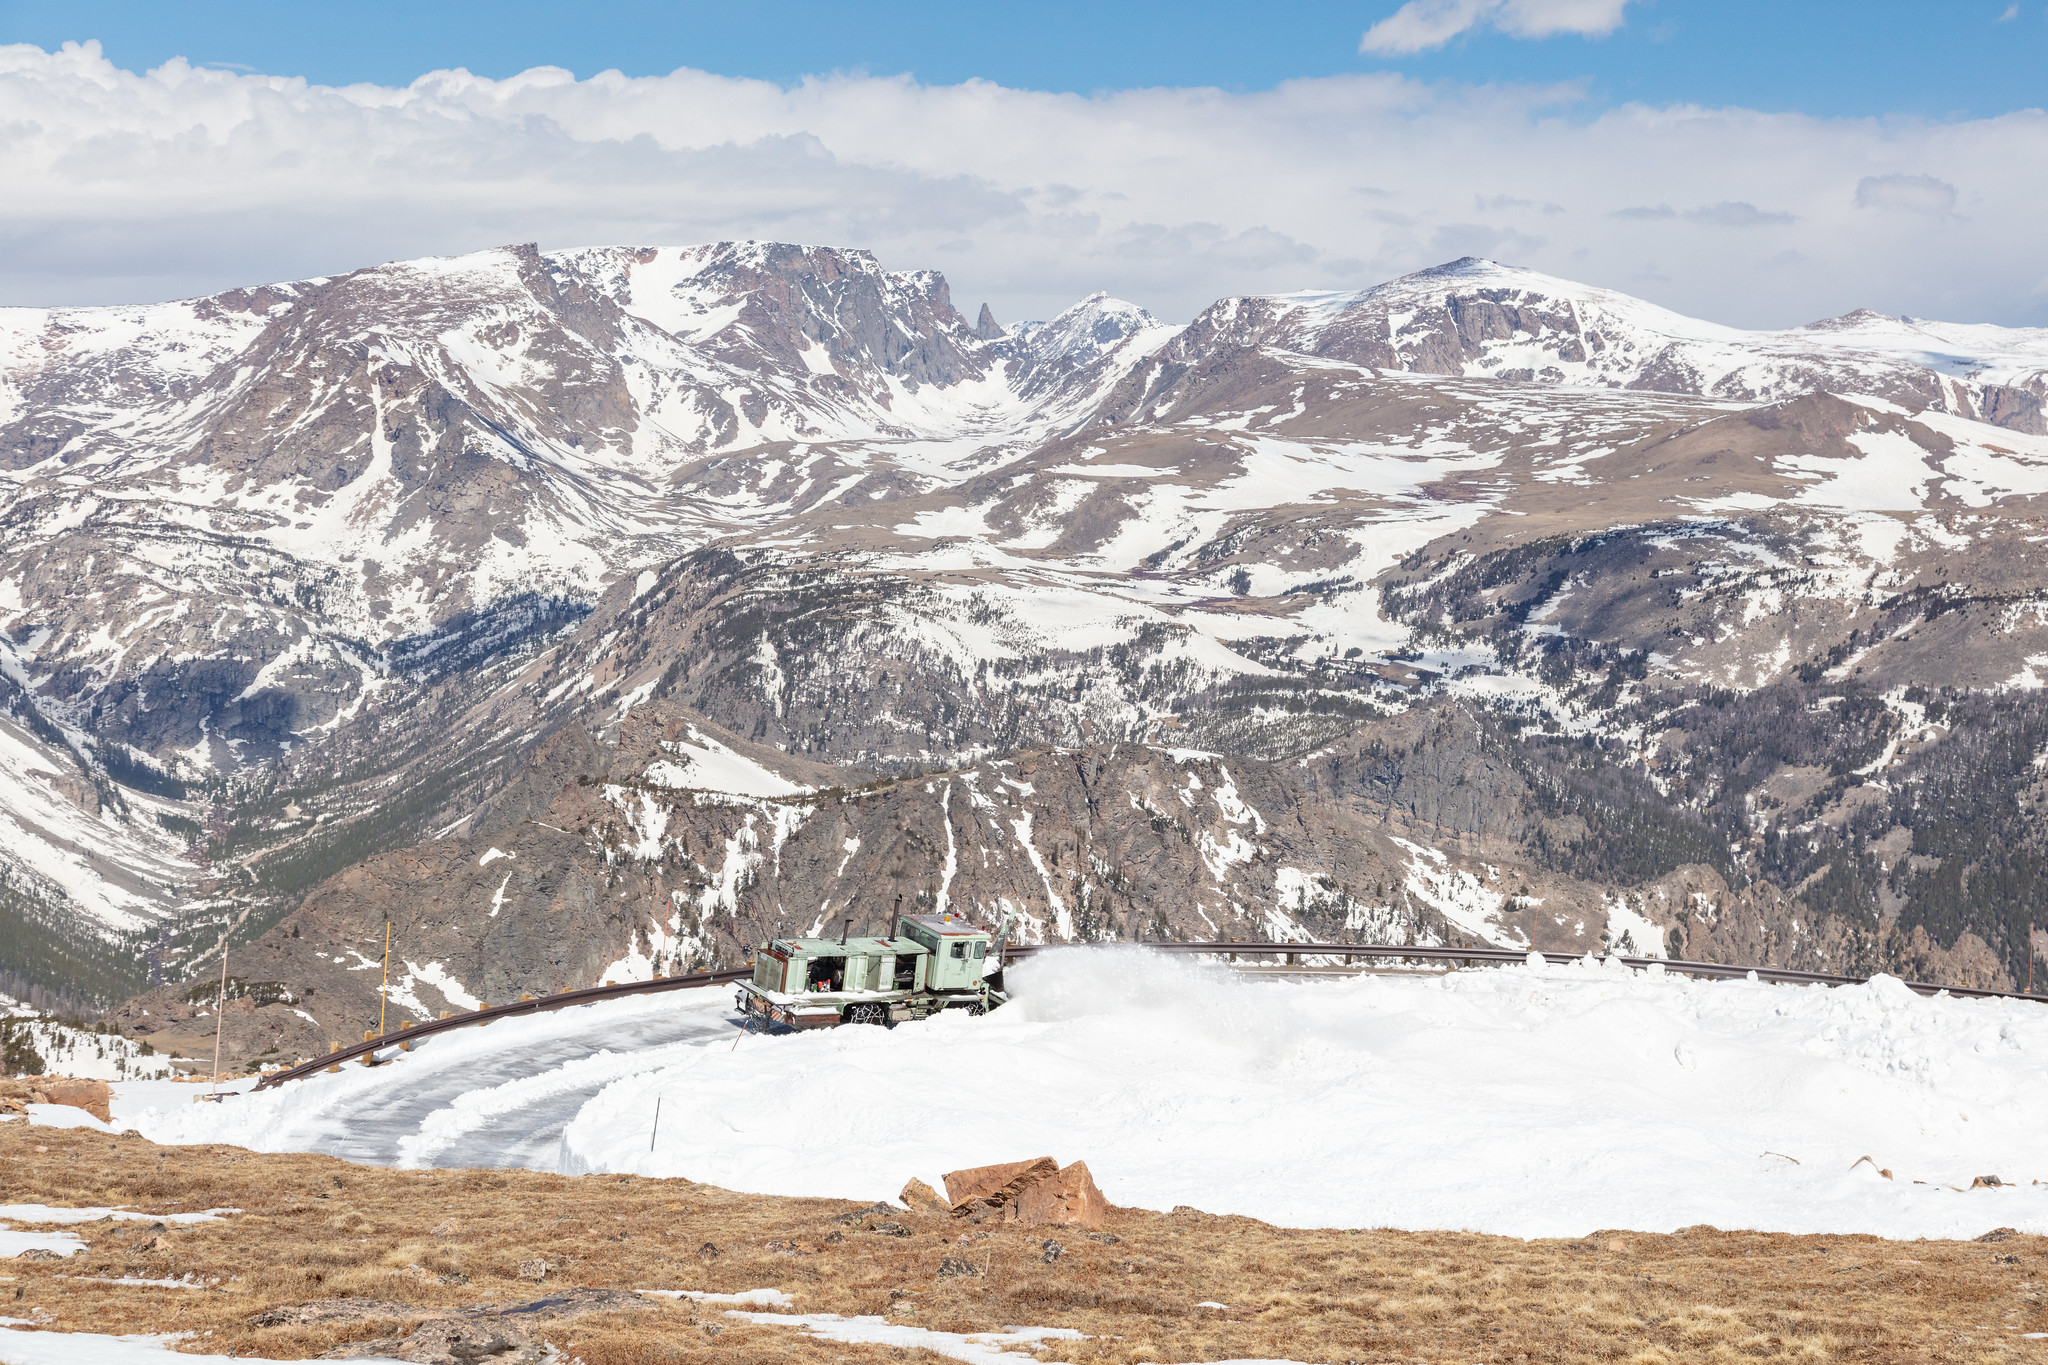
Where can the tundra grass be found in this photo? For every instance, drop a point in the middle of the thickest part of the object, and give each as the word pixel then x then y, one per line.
pixel 317 1228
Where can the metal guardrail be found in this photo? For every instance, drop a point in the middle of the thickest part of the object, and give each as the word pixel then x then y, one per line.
pixel 1721 970
pixel 472 1018
pixel 1398 952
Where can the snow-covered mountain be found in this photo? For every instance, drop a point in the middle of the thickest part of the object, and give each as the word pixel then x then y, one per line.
pixel 1480 319
pixel 297 577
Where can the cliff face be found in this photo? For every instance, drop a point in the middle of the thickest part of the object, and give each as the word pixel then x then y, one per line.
pixel 666 845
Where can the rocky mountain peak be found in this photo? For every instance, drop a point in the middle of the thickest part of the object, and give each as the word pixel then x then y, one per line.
pixel 1855 320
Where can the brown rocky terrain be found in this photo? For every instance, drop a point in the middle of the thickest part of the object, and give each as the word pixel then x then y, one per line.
pixel 326 1258
pixel 1427 828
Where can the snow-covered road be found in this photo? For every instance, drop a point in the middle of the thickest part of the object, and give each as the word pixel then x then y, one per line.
pixel 494 1096
pixel 1532 1100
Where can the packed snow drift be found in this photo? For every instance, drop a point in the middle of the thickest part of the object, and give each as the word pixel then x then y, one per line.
pixel 1532 1101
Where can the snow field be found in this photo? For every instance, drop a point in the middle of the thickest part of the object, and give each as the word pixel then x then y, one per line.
pixel 1536 1102
pixel 1528 1101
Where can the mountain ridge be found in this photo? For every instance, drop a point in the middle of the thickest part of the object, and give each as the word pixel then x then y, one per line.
pixel 301 580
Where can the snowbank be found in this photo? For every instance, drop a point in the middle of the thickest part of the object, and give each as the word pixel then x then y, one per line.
pixel 69 1348
pixel 1535 1102
pixel 1528 1101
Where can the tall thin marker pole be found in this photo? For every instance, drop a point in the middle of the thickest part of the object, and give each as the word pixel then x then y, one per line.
pixel 657 1123
pixel 219 1008
pixel 384 987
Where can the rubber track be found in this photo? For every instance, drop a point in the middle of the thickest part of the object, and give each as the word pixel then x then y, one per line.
pixel 1404 952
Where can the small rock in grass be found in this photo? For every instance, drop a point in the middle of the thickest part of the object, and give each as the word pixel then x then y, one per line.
pixel 832 1237
pixel 890 1229
pixel 332 1310
pixel 444 1228
pixel 955 1267
pixel 1998 1235
pixel 918 1195
pixel 536 1269
pixel 38 1254
pixel 870 1211
pixel 708 1249
pixel 1053 1251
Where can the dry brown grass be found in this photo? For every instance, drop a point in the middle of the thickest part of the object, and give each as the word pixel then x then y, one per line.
pixel 318 1228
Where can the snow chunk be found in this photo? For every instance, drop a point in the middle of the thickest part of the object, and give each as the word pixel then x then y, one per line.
pixel 701 763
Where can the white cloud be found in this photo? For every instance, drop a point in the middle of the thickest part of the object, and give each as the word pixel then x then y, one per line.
pixel 183 180
pixel 1907 193
pixel 1423 24
pixel 1737 214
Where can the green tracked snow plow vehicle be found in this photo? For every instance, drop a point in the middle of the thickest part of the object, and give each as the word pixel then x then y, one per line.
pixel 935 962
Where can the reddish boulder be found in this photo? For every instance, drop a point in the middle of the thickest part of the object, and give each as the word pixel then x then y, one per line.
pixel 995 1185
pixel 1032 1193
pixel 93 1097
pixel 1067 1198
pixel 918 1196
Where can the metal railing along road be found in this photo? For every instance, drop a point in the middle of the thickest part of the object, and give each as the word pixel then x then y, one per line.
pixel 1290 951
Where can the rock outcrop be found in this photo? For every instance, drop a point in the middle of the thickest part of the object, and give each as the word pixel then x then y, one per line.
pixel 1035 1193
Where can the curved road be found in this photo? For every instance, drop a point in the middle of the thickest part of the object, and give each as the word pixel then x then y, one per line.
pixel 387 1125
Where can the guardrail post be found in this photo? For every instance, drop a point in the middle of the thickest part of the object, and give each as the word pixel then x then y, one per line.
pixel 334 1047
pixel 403 1025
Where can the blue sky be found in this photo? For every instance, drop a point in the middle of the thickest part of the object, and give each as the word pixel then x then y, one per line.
pixel 1758 164
pixel 1938 58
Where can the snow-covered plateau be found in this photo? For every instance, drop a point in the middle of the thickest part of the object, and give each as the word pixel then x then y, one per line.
pixel 1529 1101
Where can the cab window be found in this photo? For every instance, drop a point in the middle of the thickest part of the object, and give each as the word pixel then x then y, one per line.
pixel 979 949
pixel 960 950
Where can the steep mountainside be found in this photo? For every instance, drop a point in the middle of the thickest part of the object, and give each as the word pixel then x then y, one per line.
pixel 722 590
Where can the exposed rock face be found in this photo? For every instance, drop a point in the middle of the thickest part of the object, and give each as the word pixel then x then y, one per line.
pixel 599 612
pixel 998 1184
pixel 1036 1193
pixel 93 1097
pixel 1067 1198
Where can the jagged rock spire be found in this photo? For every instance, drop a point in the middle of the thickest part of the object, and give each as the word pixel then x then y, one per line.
pixel 986 327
